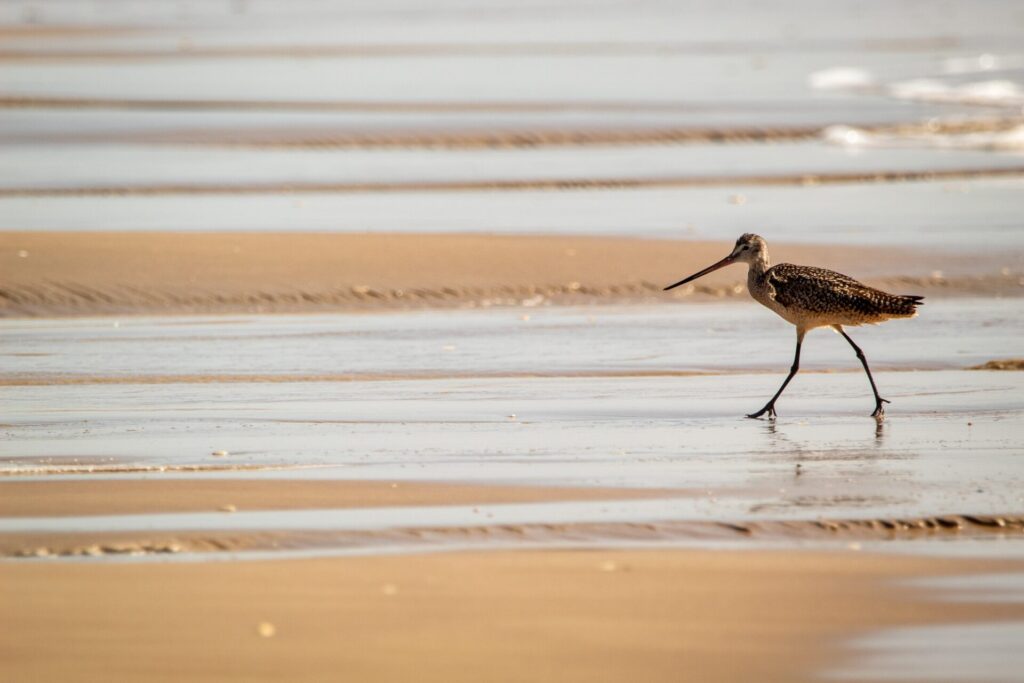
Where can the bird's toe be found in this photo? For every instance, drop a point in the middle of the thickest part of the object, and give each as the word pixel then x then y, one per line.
pixel 769 409
pixel 880 407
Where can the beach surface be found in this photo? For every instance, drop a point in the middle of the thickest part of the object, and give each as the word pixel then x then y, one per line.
pixel 333 343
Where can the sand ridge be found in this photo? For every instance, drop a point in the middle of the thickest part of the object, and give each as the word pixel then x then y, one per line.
pixel 490 185
pixel 399 49
pixel 492 537
pixel 46 274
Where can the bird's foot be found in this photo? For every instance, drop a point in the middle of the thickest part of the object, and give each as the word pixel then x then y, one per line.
pixel 770 409
pixel 879 408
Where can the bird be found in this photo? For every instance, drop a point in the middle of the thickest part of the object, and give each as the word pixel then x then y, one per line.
pixel 810 297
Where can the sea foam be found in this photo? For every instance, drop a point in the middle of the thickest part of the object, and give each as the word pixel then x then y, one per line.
pixel 1009 139
pixel 1003 93
pixel 841 78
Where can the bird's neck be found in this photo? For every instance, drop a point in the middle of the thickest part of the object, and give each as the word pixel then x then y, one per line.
pixel 759 265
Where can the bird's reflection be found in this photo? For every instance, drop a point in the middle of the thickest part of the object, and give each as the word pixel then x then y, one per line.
pixel 826 466
pixel 777 435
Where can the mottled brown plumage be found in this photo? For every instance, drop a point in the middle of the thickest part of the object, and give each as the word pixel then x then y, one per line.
pixel 810 297
pixel 827 293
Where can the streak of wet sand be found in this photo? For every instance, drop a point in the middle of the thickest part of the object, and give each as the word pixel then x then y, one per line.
pixel 581 183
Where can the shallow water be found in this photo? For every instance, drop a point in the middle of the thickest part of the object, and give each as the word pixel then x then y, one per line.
pixel 684 432
pixel 69 166
pixel 972 215
pixel 972 653
pixel 540 341
pixel 498 405
pixel 320 76
pixel 369 22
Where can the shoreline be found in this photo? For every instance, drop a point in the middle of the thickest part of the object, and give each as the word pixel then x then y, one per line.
pixel 71 274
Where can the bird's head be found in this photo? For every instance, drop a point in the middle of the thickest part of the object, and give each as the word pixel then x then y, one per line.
pixel 748 249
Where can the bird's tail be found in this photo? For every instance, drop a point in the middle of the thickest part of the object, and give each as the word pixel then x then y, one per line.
pixel 905 305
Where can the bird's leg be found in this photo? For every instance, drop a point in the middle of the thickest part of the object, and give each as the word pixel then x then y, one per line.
pixel 770 406
pixel 879 409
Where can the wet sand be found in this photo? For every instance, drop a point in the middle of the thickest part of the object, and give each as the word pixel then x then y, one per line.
pixel 116 273
pixel 534 184
pixel 261 537
pixel 660 615
pixel 394 347
pixel 118 497
pixel 886 215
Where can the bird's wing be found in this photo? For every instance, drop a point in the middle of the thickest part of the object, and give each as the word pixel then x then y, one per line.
pixel 819 290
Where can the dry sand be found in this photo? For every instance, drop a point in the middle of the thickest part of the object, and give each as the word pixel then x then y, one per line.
pixel 514 616
pixel 122 273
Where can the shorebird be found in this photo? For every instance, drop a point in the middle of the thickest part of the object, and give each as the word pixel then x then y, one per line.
pixel 810 297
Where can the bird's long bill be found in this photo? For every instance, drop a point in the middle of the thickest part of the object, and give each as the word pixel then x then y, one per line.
pixel 724 262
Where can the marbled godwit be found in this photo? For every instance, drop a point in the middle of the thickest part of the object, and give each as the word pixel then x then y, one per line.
pixel 811 297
